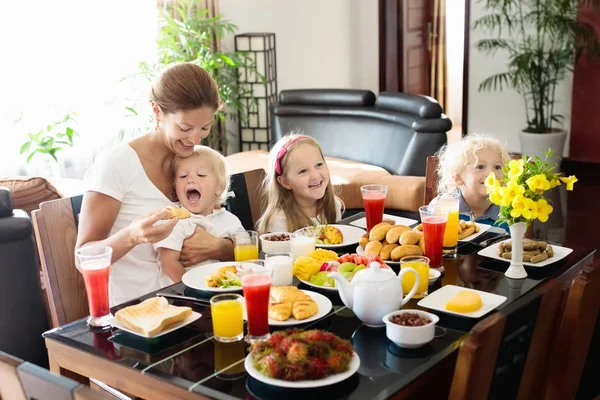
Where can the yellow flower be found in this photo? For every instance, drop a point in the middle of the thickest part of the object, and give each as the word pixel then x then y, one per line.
pixel 569 181
pixel 554 183
pixel 522 206
pixel 543 209
pixel 538 183
pixel 515 168
pixel 491 183
pixel 510 191
pixel 496 196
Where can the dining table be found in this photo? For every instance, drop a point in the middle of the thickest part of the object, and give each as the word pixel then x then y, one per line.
pixel 189 363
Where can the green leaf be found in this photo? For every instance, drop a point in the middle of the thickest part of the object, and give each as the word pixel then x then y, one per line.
pixel 31 155
pixel 25 147
pixel 228 60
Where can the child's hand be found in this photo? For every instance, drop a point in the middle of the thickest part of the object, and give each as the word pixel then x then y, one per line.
pixel 142 230
pixel 198 247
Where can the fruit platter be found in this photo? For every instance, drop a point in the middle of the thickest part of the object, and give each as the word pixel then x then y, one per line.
pixel 314 269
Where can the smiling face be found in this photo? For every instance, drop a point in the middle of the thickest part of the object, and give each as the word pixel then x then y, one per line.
pixel 305 173
pixel 471 178
pixel 197 185
pixel 184 129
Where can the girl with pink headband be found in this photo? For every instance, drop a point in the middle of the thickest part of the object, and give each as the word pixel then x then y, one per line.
pixel 297 189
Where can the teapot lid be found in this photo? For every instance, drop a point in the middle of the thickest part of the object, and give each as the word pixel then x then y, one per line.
pixel 374 273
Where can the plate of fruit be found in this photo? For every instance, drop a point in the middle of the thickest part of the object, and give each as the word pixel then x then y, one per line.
pixel 313 271
pixel 302 359
pixel 334 236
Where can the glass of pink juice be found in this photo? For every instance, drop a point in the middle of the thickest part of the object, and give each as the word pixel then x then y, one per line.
pixel 94 264
pixel 434 220
pixel 374 201
pixel 256 285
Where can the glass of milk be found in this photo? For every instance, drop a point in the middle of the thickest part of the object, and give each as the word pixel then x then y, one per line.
pixel 282 264
pixel 302 242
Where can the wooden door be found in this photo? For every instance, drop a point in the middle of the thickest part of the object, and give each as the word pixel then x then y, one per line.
pixel 585 119
pixel 404 56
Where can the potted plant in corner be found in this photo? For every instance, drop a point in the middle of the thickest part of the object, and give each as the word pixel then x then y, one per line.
pixel 543 39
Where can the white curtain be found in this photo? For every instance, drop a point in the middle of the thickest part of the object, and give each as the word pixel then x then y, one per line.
pixel 455 25
pixel 61 55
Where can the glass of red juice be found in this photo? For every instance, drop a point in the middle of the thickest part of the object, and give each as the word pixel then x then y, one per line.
pixel 374 200
pixel 256 284
pixel 433 219
pixel 94 264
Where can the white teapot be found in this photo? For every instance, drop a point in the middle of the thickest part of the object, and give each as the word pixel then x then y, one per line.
pixel 374 292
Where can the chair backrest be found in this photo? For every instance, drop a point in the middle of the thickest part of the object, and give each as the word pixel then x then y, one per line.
pixel 506 353
pixel 245 201
pixel 55 227
pixel 431 179
pixel 574 334
pixel 10 384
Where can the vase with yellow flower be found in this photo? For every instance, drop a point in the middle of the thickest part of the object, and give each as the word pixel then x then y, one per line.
pixel 520 195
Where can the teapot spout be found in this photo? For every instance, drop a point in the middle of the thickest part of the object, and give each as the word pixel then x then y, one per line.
pixel 345 289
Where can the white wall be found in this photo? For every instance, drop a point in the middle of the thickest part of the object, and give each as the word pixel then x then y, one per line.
pixel 502 114
pixel 320 44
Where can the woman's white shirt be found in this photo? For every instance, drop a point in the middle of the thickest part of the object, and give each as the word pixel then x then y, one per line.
pixel 118 173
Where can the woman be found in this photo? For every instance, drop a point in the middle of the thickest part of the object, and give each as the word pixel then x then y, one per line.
pixel 134 179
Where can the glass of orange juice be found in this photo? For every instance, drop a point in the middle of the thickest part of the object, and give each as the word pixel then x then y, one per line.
pixel 245 245
pixel 450 201
pixel 227 318
pixel 421 265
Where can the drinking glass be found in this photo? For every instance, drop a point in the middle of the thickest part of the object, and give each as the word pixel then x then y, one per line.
pixel 227 318
pixel 303 242
pixel 256 284
pixel 450 200
pixel 227 360
pixel 245 245
pixel 282 264
pixel 373 197
pixel 433 219
pixel 421 265
pixel 94 263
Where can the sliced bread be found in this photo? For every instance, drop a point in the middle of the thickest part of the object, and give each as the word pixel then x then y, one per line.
pixel 152 316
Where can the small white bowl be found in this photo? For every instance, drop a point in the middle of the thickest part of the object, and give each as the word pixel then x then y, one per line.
pixel 410 336
pixel 269 246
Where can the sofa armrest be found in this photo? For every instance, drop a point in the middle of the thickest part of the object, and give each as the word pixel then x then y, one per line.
pixel 6 202
pixel 404 192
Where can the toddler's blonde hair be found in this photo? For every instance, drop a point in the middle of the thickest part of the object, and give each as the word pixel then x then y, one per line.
pixel 216 161
pixel 277 199
pixel 454 157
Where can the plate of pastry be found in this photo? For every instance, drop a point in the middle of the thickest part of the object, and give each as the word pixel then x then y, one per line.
pixel 335 236
pixel 221 277
pixel 291 306
pixel 536 253
pixel 467 230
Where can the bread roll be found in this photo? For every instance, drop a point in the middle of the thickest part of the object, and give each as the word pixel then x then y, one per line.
pixel 364 239
pixel 410 237
pixel 386 251
pixel 404 251
pixel 378 231
pixel 393 235
pixel 373 248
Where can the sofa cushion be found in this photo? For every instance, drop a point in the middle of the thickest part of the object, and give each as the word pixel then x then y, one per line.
pixel 29 192
pixel 404 192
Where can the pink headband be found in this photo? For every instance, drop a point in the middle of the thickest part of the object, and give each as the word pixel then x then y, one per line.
pixel 283 150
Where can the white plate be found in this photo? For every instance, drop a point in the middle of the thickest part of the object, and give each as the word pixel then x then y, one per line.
pixel 196 277
pixel 362 222
pixel 482 228
pixel 434 274
pixel 559 253
pixel 332 289
pixel 438 299
pixel 351 234
pixel 195 315
pixel 361 252
pixel 323 303
pixel 330 380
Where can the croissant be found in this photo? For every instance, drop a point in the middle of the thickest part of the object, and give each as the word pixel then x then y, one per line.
pixel 304 309
pixel 280 311
pixel 288 294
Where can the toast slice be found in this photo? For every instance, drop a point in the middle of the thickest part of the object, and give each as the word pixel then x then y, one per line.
pixel 152 316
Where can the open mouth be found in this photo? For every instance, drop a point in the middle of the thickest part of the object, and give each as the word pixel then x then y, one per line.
pixel 316 185
pixel 193 196
pixel 186 145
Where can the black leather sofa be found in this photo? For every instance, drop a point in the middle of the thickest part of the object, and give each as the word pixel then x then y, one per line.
pixel 23 316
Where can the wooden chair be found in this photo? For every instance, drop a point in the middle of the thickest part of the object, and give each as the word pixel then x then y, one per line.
pixel 574 334
pixel 506 354
pixel 55 226
pixel 10 385
pixel 245 200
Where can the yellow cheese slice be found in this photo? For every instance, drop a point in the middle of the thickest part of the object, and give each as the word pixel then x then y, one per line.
pixel 464 302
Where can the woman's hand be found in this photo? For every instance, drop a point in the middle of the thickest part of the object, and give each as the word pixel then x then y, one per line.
pixel 200 247
pixel 142 230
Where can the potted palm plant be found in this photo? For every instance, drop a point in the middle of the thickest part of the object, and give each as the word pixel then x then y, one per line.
pixel 543 39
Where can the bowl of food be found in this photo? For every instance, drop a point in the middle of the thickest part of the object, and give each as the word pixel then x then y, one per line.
pixel 410 328
pixel 275 242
